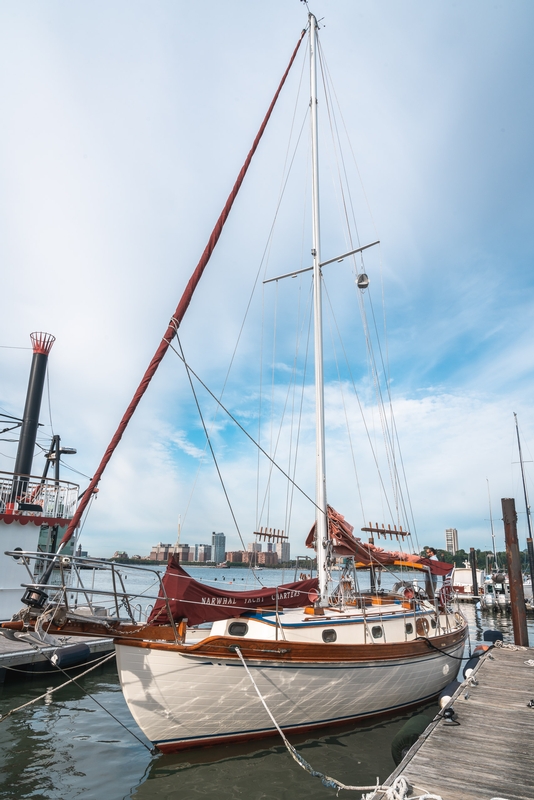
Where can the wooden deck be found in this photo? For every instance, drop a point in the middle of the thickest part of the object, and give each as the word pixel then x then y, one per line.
pixel 490 754
pixel 19 658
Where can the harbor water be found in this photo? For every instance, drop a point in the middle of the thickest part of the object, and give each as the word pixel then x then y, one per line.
pixel 67 746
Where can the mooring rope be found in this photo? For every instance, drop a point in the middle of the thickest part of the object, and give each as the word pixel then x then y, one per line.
pixel 101 661
pixel 401 788
pixel 49 692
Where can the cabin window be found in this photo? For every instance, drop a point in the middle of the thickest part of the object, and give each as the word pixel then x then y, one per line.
pixel 377 631
pixel 329 636
pixel 238 629
pixel 432 623
pixel 409 628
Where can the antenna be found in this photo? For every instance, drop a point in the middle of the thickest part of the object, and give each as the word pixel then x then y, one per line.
pixel 491 523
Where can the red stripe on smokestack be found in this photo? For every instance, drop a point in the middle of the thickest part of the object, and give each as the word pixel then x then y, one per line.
pixel 42 342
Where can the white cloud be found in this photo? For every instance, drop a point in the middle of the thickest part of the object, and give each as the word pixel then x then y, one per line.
pixel 120 142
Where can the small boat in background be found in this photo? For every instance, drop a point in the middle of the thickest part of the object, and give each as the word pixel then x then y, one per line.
pixel 495 594
pixel 462 583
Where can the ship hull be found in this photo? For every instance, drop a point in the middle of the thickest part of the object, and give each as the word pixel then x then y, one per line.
pixel 182 700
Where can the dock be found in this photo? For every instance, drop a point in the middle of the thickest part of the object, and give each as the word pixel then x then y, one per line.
pixel 21 659
pixel 490 753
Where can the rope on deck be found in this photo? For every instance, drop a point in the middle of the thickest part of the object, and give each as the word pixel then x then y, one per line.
pixel 400 790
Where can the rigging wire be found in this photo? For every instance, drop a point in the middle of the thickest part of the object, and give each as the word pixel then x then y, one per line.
pixel 247 434
pixel 301 408
pixel 373 449
pixel 395 435
pixel 262 264
pixel 389 429
pixel 209 440
pixel 345 412
pixel 331 88
pixel 288 394
pixel 48 393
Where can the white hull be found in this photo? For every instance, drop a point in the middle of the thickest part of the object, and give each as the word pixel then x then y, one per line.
pixel 181 701
pixel 29 531
pixel 12 572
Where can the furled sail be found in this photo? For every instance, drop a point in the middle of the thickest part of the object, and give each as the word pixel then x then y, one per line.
pixel 189 599
pixel 344 543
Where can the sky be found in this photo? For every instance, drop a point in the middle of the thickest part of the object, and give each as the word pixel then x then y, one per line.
pixel 123 128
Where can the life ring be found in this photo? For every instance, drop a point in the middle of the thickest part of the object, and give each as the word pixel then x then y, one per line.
pixel 422 626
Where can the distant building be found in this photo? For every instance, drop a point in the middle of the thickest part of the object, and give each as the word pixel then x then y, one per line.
pixel 237 556
pixel 254 547
pixel 269 558
pixel 218 547
pixel 203 552
pixel 119 554
pixel 451 540
pixel 161 552
pixel 185 552
pixel 283 551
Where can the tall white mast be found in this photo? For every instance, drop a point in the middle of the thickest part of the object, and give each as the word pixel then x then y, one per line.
pixel 321 526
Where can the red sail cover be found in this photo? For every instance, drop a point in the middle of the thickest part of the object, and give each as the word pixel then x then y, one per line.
pixel 345 544
pixel 189 599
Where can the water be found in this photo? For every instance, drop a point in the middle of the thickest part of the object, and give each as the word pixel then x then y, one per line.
pixel 66 746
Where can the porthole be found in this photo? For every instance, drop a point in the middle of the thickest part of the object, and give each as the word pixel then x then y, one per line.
pixel 377 631
pixel 433 623
pixel 17 550
pixel 238 629
pixel 330 635
pixel 409 627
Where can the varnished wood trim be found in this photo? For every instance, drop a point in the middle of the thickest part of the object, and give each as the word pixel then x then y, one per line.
pixel 217 647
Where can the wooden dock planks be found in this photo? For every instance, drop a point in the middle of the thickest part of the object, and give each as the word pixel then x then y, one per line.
pixel 490 754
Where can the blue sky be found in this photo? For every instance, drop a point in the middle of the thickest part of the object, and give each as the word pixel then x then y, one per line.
pixel 124 126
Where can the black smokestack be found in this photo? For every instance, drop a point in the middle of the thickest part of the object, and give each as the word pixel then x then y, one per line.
pixel 42 344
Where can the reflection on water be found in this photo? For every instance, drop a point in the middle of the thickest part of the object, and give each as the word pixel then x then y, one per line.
pixel 67 747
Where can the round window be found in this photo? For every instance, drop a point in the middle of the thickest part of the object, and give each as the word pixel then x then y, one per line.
pixel 329 636
pixel 377 631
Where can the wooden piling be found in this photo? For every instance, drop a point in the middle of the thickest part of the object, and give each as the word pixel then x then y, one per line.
pixel 473 562
pixel 517 596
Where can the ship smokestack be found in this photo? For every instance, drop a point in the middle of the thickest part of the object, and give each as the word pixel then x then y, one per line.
pixel 42 344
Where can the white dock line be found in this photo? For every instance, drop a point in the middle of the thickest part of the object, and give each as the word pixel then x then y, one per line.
pixel 400 790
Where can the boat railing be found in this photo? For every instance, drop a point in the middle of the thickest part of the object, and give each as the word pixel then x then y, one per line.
pixel 33 496
pixel 96 588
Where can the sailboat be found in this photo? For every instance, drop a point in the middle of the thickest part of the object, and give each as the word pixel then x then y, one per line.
pixel 311 653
